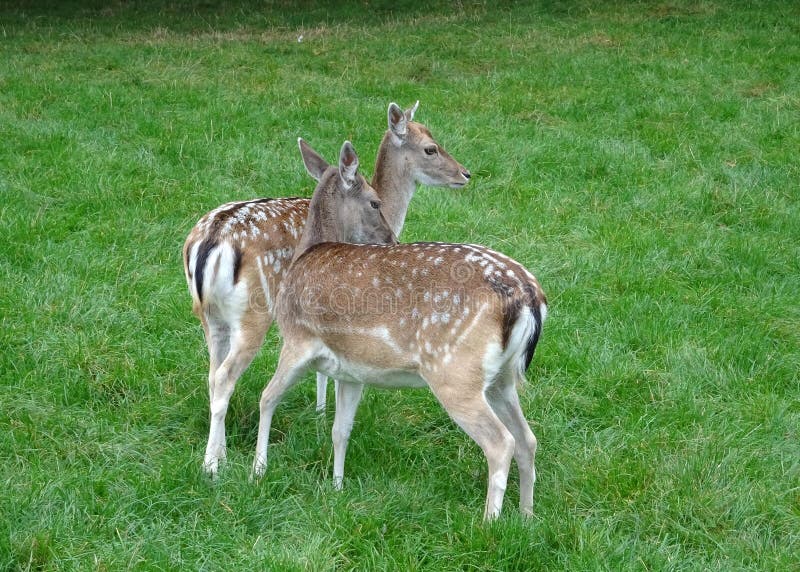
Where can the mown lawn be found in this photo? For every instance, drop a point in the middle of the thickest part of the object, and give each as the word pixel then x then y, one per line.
pixel 641 159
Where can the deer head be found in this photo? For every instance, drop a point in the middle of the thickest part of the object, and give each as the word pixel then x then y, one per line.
pixel 344 208
pixel 430 163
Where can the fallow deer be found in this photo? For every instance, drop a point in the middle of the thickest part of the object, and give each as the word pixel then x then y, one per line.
pixel 236 256
pixel 460 319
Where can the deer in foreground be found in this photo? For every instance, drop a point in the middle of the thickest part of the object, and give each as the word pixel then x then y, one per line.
pixel 460 319
pixel 236 257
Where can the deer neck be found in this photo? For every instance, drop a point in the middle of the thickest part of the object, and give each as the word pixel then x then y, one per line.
pixel 320 225
pixel 394 182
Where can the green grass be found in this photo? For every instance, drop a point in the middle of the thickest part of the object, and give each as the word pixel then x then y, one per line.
pixel 641 160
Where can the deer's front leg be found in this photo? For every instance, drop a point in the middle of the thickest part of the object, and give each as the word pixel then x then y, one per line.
pixel 291 366
pixel 348 396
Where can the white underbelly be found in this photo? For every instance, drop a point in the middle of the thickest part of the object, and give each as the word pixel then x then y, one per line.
pixel 344 370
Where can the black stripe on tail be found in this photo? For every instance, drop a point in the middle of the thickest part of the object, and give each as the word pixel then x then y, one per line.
pixel 200 267
pixel 511 313
pixel 202 258
pixel 237 263
pixel 186 255
pixel 534 337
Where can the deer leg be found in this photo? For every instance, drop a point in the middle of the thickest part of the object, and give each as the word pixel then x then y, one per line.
pixel 244 346
pixel 348 395
pixel 470 410
pixel 292 364
pixel 322 389
pixel 218 340
pixel 503 398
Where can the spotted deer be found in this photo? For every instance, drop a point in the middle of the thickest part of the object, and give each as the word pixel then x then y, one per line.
pixel 236 256
pixel 461 319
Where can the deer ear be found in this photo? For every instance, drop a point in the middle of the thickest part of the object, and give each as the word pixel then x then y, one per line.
pixel 315 164
pixel 411 111
pixel 398 122
pixel 348 164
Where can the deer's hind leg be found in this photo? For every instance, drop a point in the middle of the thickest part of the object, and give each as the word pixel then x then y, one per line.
pixel 461 394
pixel 243 342
pixel 218 340
pixel 504 400
pixel 292 363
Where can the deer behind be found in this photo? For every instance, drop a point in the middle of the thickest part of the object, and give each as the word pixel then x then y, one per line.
pixel 236 257
pixel 460 319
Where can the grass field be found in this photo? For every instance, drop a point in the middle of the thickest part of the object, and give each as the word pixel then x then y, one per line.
pixel 641 160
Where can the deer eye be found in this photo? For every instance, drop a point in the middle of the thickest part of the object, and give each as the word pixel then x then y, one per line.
pixel 375 204
pixel 430 150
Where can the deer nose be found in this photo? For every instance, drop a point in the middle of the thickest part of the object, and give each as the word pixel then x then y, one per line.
pixel 466 174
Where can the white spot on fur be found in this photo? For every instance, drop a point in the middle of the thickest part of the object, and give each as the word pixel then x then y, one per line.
pixel 475 321
pixel 264 284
